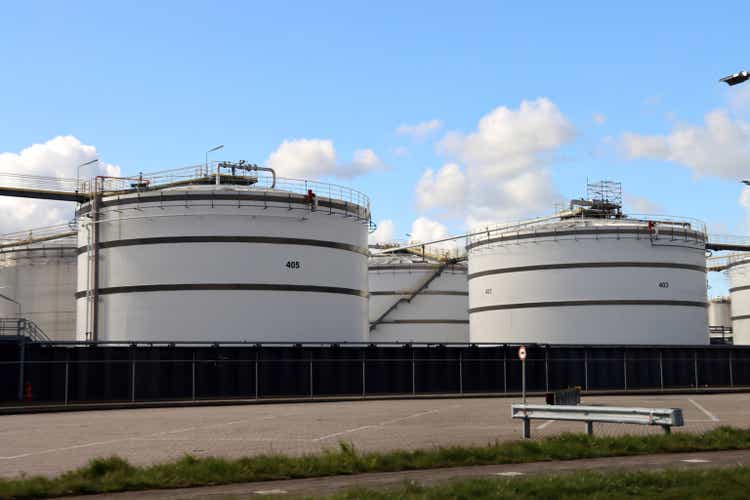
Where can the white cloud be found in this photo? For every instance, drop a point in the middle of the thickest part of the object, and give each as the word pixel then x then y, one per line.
pixel 444 189
pixel 59 158
pixel 642 205
pixel 419 130
pixel 385 233
pixel 401 151
pixel 364 162
pixel 504 159
pixel 720 147
pixel 599 118
pixel 313 158
pixel 424 229
pixel 303 158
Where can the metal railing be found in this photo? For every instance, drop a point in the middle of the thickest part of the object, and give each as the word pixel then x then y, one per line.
pixel 22 327
pixel 666 418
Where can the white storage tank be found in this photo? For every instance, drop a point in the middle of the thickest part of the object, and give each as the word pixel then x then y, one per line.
pixel 38 283
pixel 431 299
pixel 738 271
pixel 720 318
pixel 578 279
pixel 254 259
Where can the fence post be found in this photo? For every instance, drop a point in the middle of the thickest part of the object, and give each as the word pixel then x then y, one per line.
pixel 311 375
pixel 625 367
pixel 364 372
pixel 132 378
pixel 505 371
pixel 67 363
pixel 731 373
pixel 695 365
pixel 586 369
pixel 413 372
pixel 193 376
pixel 22 348
pixel 257 373
pixel 546 369
pixel 460 372
pixel 661 369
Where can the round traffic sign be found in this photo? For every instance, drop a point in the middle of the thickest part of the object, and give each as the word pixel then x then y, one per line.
pixel 522 353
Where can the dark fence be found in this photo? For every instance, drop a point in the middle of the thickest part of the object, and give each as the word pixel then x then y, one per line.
pixel 65 373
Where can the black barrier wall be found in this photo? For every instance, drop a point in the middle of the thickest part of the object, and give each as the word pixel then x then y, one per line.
pixel 63 373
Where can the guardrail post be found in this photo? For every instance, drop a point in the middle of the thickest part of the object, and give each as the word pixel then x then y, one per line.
pixel 590 428
pixel 667 429
pixel 526 428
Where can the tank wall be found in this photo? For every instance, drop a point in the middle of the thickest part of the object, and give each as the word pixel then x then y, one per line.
pixel 44 283
pixel 262 280
pixel 577 291
pixel 438 314
pixel 719 314
pixel 739 279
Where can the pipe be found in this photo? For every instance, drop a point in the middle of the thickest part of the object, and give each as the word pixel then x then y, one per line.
pixel 29 241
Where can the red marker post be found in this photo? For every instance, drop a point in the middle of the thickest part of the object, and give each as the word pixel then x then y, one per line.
pixel 522 357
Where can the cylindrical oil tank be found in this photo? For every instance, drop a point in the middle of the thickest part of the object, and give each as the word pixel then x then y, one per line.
pixel 431 300
pixel 738 271
pixel 720 313
pixel 193 261
pixel 589 281
pixel 38 283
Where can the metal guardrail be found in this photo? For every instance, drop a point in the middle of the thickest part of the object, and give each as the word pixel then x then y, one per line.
pixel 22 327
pixel 664 417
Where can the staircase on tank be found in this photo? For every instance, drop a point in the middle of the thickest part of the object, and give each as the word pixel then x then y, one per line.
pixel 413 294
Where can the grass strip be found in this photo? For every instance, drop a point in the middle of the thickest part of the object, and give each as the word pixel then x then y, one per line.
pixel 104 475
pixel 673 484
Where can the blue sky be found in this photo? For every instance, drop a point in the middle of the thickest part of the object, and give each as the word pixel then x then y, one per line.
pixel 153 85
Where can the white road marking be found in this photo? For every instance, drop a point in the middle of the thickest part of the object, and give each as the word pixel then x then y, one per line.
pixel 374 426
pixel 710 415
pixel 509 474
pixel 695 461
pixel 545 424
pixel 270 492
pixel 129 438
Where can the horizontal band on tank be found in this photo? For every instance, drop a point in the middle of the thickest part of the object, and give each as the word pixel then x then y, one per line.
pixel 743 316
pixel 551 234
pixel 425 322
pixel 739 288
pixel 417 267
pixel 582 265
pixel 255 287
pixel 290 198
pixel 424 292
pixel 573 303
pixel 167 240
pixel 56 250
